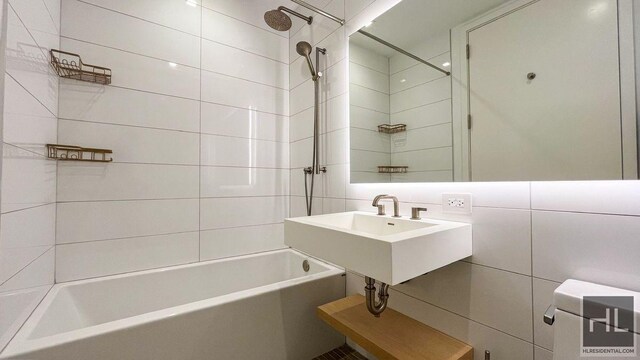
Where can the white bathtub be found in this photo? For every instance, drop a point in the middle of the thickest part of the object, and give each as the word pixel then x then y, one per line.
pixel 253 307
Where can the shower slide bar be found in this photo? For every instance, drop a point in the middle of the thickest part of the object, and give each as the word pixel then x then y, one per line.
pixel 402 51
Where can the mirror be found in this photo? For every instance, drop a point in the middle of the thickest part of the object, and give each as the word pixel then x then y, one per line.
pixel 494 90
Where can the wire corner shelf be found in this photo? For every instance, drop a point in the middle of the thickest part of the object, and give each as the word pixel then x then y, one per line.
pixel 77 153
pixel 392 128
pixel 393 169
pixel 69 65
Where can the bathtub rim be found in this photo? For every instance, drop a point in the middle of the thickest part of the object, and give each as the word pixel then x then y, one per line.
pixel 20 344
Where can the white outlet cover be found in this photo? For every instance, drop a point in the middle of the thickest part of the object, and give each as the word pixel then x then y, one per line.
pixel 459 203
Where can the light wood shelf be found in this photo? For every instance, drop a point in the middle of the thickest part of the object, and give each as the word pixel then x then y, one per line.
pixel 392 335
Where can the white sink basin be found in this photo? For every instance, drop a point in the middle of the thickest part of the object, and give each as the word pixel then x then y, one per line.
pixel 388 249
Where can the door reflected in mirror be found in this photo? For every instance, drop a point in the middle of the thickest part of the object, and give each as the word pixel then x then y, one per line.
pixel 491 90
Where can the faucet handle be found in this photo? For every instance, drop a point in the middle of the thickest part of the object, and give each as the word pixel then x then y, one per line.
pixel 381 211
pixel 415 212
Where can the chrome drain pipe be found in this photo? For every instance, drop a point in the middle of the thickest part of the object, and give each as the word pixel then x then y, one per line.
pixel 376 306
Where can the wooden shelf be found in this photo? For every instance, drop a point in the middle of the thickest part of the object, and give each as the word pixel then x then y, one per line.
pixel 392 335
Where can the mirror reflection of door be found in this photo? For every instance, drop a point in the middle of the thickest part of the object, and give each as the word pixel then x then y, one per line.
pixel 544 93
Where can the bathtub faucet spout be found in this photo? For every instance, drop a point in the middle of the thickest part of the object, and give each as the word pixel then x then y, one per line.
pixel 376 307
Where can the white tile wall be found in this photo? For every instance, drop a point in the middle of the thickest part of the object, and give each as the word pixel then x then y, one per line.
pixel 528 237
pixel 28 199
pixel 197 117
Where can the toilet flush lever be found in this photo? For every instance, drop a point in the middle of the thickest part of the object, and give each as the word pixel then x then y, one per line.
pixel 550 315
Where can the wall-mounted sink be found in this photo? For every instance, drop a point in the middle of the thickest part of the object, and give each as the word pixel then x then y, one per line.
pixel 388 249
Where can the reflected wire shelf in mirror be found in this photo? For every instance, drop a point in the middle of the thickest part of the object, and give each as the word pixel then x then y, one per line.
pixel 392 128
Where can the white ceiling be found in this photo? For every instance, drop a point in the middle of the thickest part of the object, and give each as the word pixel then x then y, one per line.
pixel 413 21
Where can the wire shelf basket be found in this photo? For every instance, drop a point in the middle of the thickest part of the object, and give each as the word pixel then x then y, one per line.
pixel 393 169
pixel 69 65
pixel 392 129
pixel 77 153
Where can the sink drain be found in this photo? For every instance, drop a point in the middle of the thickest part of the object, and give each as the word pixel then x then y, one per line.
pixel 306 266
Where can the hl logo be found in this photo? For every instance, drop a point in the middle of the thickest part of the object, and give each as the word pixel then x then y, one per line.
pixel 607 326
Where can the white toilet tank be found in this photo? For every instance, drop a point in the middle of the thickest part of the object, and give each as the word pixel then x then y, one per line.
pixel 607 319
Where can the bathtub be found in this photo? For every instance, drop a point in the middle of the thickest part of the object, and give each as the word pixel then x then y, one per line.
pixel 252 307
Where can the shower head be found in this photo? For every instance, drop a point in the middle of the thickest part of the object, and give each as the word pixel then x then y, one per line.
pixel 303 48
pixel 278 20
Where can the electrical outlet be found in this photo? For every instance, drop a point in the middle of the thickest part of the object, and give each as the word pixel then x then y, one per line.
pixel 456 203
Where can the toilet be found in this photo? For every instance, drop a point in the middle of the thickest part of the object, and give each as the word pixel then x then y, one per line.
pixel 604 308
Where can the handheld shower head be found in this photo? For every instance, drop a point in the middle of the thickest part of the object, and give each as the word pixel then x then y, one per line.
pixel 303 48
pixel 278 20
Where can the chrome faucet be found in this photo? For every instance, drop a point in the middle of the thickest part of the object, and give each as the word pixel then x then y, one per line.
pixel 396 204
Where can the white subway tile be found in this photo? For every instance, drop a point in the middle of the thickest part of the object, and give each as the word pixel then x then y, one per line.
pixel 14 260
pixel 418 74
pixel 132 71
pixel 248 11
pixel 230 151
pixel 100 26
pixel 28 63
pixel 229 31
pixel 114 181
pixel 226 90
pixel 114 105
pixel 27 123
pixel 588 247
pixel 331 205
pixel 426 115
pixel 319 30
pixel 37 273
pixel 133 144
pixel 437 176
pixel 481 337
pixel 335 148
pixel 301 153
pixel 235 182
pixel 353 7
pixel 301 125
pixel 301 98
pixel 91 221
pixel 173 14
pixel 502 239
pixel 298 177
pixel 369 140
pixel 542 354
pixel 479 293
pixel 299 206
pixel 364 118
pixel 28 179
pixel 368 78
pixel 334 115
pixel 216 244
pixel 367 161
pixel 29 227
pixel 220 213
pixel 368 58
pixel 426 160
pixel 244 123
pixel 586 196
pixel 368 99
pixel 542 299
pixel 101 258
pixel 231 61
pixel 424 94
